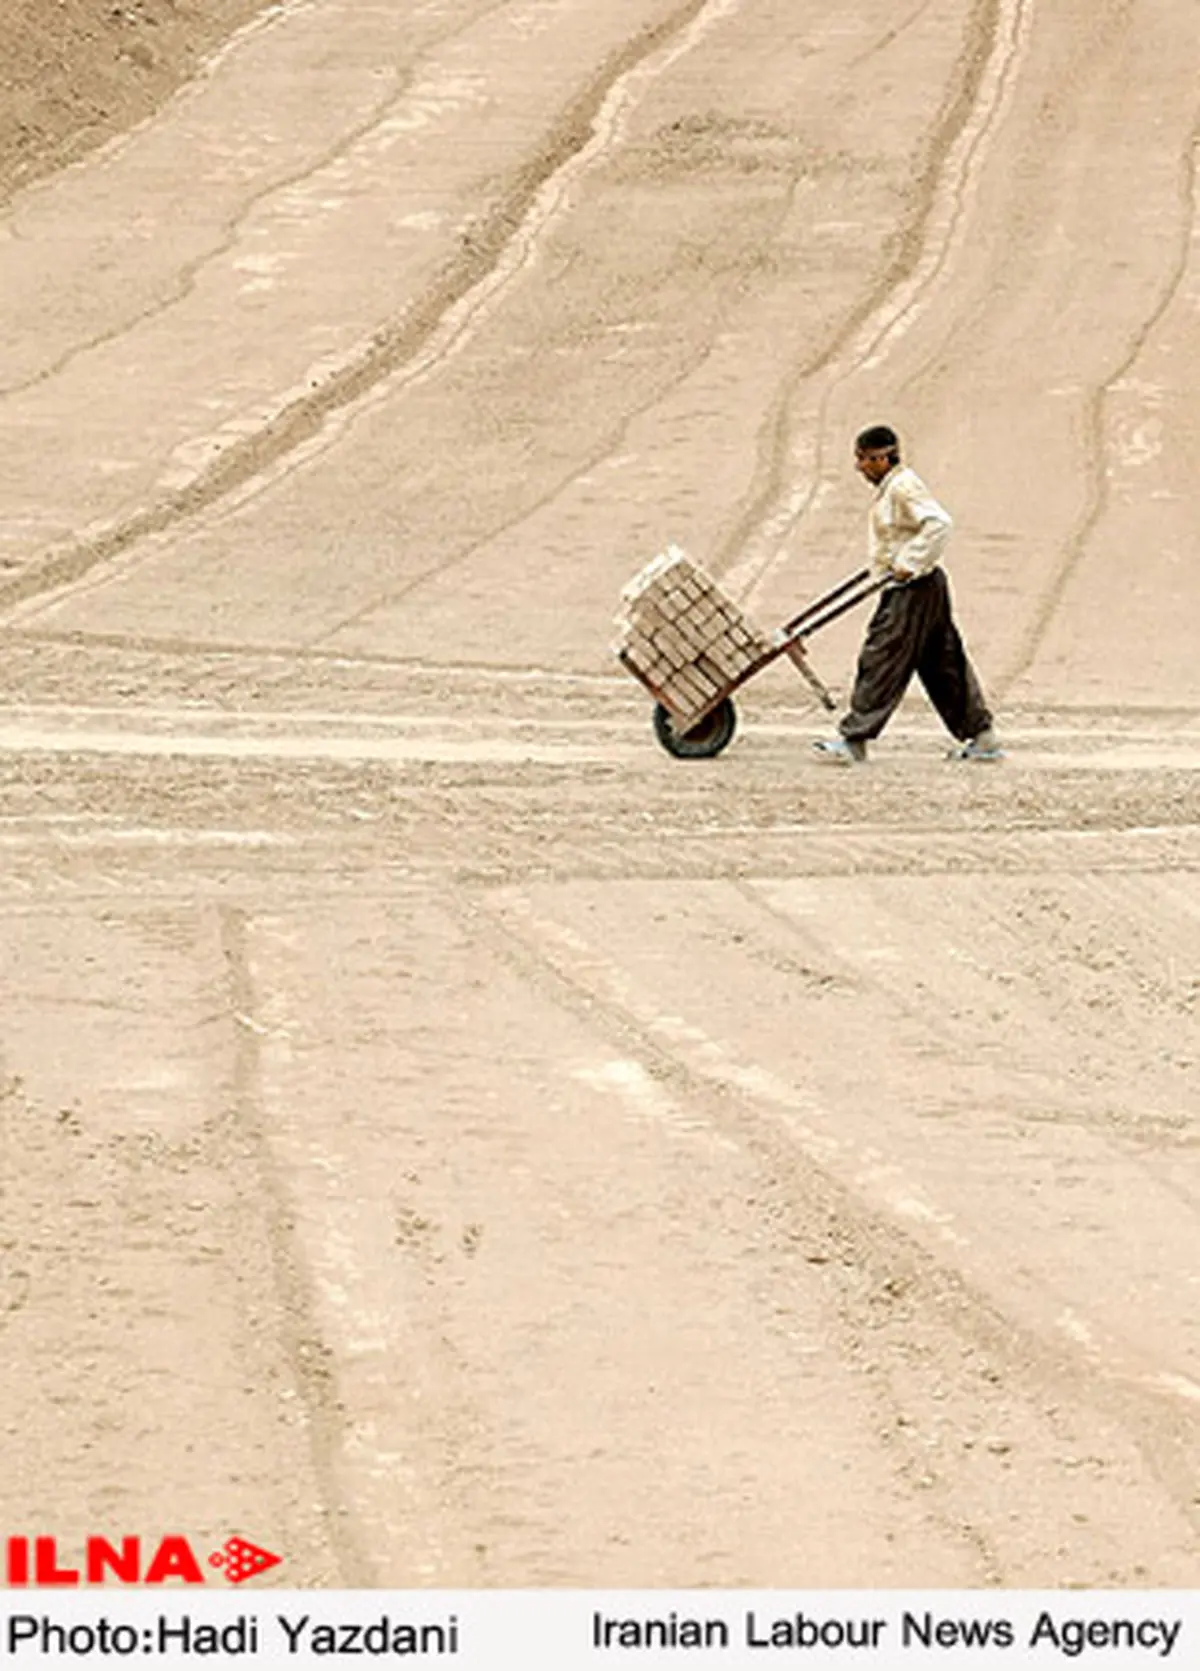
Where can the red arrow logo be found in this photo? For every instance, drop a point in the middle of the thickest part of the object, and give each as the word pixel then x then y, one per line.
pixel 242 1560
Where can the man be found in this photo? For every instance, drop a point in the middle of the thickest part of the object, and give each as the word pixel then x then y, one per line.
pixel 912 629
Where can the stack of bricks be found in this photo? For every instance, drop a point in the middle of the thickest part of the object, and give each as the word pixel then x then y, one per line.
pixel 682 637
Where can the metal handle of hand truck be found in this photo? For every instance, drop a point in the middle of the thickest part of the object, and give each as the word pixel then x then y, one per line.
pixel 818 604
pixel 818 615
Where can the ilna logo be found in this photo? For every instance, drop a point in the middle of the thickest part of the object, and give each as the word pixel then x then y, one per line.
pixel 36 1561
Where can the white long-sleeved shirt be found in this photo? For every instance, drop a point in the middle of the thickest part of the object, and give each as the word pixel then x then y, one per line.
pixel 907 528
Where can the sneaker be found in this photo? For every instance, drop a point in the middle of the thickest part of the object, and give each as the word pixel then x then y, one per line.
pixel 837 751
pixel 983 747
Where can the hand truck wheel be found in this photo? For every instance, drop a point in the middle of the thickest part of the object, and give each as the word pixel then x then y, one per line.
pixel 706 739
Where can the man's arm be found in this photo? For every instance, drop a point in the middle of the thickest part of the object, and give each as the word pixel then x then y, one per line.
pixel 930 523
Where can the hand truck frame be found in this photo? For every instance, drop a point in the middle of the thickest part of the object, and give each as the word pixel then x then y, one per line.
pixel 712 728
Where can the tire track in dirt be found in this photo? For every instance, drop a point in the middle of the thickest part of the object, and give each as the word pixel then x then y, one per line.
pixel 814 1215
pixel 188 275
pixel 434 326
pixel 926 242
pixel 225 241
pixel 608 445
pixel 904 1307
pixel 1140 1382
pixel 607 132
pixel 33 871
pixel 307 1355
pixel 298 655
pixel 1095 443
pixel 613 441
pixel 15 1280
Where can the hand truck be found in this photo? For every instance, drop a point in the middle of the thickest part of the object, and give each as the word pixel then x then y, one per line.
pixel 712 727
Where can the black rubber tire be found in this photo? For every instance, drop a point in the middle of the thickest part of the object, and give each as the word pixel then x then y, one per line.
pixel 704 741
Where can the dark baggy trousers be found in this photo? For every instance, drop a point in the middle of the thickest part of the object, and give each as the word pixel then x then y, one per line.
pixel 913 631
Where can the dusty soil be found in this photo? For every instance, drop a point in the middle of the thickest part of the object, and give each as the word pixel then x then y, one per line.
pixel 441 1137
pixel 75 72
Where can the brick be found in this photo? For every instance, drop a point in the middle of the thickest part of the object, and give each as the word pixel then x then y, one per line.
pixel 681 635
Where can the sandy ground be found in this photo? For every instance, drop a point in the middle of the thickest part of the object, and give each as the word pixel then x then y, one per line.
pixel 74 73
pixel 441 1137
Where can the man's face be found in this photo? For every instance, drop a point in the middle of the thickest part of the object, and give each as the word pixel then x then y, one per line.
pixel 873 463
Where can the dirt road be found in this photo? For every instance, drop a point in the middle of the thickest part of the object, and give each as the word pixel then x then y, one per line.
pixel 443 1138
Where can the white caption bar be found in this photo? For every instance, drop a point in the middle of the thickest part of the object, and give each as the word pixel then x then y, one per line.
pixel 601 1630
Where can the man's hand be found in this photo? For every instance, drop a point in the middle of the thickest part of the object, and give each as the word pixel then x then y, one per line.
pixel 902 574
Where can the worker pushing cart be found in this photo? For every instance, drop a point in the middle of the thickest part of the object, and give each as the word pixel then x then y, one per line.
pixel 912 628
pixel 692 647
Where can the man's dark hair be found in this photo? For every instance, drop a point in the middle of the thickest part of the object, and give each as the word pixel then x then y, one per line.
pixel 879 438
